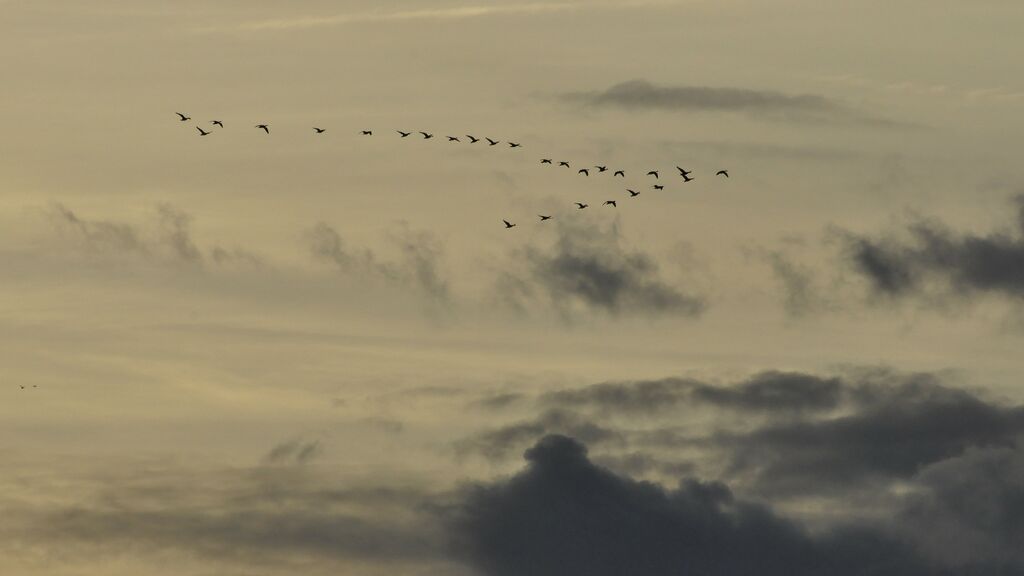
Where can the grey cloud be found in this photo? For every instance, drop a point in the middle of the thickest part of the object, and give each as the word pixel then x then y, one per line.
pixel 800 294
pixel 496 444
pixel 100 235
pixel 294 451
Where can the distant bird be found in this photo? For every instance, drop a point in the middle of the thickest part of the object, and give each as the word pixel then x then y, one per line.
pixel 563 163
pixel 632 193
pixel 611 203
pixel 319 130
pixel 217 123
pixel 183 117
pixel 427 136
pixel 722 173
pixel 581 206
pixel 601 168
pixel 22 387
pixel 619 173
pixel 454 139
pixel 492 142
pixel 685 174
pixel 263 127
pixel 472 139
pixel 367 132
pixel 202 132
pixel 686 178
pixel 515 145
pixel 653 173
pixel 584 171
pixel 545 160
pixel 543 217
pixel 508 224
pixel 404 134
pixel 658 187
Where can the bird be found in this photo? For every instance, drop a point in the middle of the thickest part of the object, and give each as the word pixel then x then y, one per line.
pixel 263 127
pixel 472 139
pixel 492 142
pixel 22 387
pixel 404 134
pixel 601 168
pixel 658 187
pixel 183 117
pixel 202 132
pixel 427 136
pixel 685 174
pixel 515 145
pixel 632 193
pixel 611 203
pixel 722 173
pixel 367 132
pixel 319 130
pixel 620 173
pixel 545 160
pixel 653 173
pixel 454 139
pixel 584 171
pixel 508 224
pixel 543 217
pixel 686 178
pixel 217 123
pixel 563 163
pixel 581 206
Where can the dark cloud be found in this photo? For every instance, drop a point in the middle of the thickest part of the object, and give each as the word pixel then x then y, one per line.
pixel 589 268
pixel 565 516
pixel 800 294
pixel 937 258
pixel 99 235
pixel 496 444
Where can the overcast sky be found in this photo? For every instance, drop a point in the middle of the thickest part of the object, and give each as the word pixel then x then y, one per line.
pixel 256 354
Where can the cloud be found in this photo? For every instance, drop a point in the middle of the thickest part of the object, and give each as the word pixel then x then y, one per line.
pixel 589 269
pixel 801 295
pixel 937 259
pixel 496 444
pixel 294 451
pixel 565 516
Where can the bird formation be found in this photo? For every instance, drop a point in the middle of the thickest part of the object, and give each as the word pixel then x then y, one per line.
pixel 685 174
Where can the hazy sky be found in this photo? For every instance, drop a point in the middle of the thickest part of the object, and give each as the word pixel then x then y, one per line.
pixel 263 354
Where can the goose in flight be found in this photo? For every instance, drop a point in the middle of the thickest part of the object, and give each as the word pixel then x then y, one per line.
pixel 217 123
pixel 722 173
pixel 601 168
pixel 620 173
pixel 515 145
pixel 404 134
pixel 319 130
pixel 508 224
pixel 492 142
pixel 183 117
pixel 686 177
pixel 202 132
pixel 611 203
pixel 653 173
pixel 563 163
pixel 584 171
pixel 632 193
pixel 426 136
pixel 543 217
pixel 263 127
pixel 685 174
pixel 658 187
pixel 472 139
pixel 367 132
pixel 454 139
pixel 545 160
pixel 581 206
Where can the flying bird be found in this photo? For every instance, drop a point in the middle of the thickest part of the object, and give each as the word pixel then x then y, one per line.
pixel 686 178
pixel 564 163
pixel 619 173
pixel 508 224
pixel 685 174
pixel 581 206
pixel 263 127
pixel 653 173
pixel 472 139
pixel 601 168
pixel 543 217
pixel 492 142
pixel 545 160
pixel 454 139
pixel 584 171
pixel 183 117
pixel 319 130
pixel 515 145
pixel 427 136
pixel 632 193
pixel 404 134
pixel 217 123
pixel 367 132
pixel 202 132
pixel 722 173
pixel 658 187
pixel 611 203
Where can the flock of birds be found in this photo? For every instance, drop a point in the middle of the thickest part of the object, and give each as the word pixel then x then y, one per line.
pixel 686 175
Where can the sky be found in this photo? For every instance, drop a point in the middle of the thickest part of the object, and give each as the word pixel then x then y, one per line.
pixel 254 353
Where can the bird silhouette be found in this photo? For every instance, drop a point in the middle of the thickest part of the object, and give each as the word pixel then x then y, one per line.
pixel 686 177
pixel 722 173
pixel 632 193
pixel 515 145
pixel 217 123
pixel 426 136
pixel 472 139
pixel 619 173
pixel 611 203
pixel 202 132
pixel 183 117
pixel 404 134
pixel 263 127
pixel 653 173
pixel 601 168
pixel 543 217
pixel 508 224
pixel 545 160
pixel 454 139
pixel 367 132
pixel 658 187
pixel 564 163
pixel 584 171
pixel 581 206
pixel 685 174
pixel 492 142
pixel 319 130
